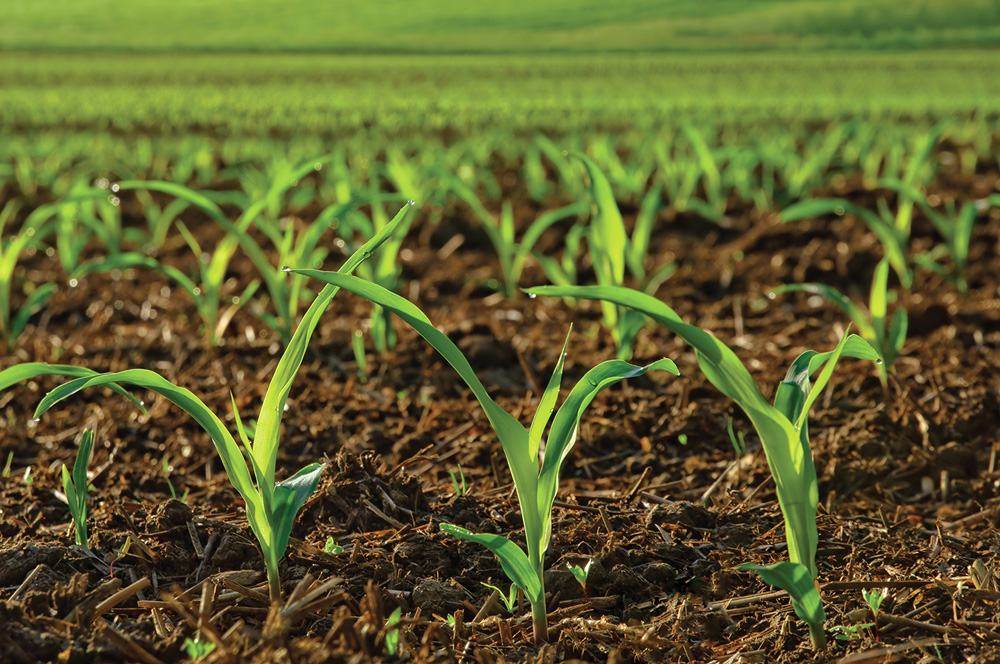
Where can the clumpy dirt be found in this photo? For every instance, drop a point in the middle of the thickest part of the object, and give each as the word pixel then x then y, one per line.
pixel 653 493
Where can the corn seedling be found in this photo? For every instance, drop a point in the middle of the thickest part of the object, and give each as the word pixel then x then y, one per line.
pixel 207 294
pixel 612 251
pixel 783 429
pixel 502 233
pixel 12 322
pixel 886 335
pixel 383 268
pixel 955 229
pixel 271 507
pixel 75 487
pixel 536 485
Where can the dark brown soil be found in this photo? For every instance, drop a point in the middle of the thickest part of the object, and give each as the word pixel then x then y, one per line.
pixel 908 474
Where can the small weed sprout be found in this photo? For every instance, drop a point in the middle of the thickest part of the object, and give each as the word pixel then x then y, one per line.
pixel 332 547
pixel 392 632
pixel 873 598
pixel 196 649
pixel 458 481
pixel 580 574
pixel 75 487
pixel 509 599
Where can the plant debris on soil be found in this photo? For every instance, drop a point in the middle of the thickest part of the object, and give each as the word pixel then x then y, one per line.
pixel 653 493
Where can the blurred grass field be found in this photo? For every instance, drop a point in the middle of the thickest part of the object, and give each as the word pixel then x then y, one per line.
pixel 454 26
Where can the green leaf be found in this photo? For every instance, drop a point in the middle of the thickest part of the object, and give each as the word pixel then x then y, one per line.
pixel 562 436
pixel 227 448
pixel 512 559
pixel 29 370
pixel 795 579
pixel 289 497
pixel 547 404
pixel 32 305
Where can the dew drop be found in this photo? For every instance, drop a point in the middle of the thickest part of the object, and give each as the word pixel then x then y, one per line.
pixel 411 202
pixel 141 402
pixel 532 296
pixel 73 283
pixel 285 268
pixel 771 296
pixel 878 360
pixel 115 187
pixel 36 419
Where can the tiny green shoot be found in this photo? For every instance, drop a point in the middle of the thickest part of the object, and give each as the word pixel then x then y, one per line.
pixel 873 598
pixel 75 487
pixel 509 599
pixel 195 648
pixel 332 547
pixel 458 481
pixel 392 632
pixel 581 573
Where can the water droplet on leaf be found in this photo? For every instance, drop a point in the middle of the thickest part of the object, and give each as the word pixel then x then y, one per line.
pixel 532 296
pixel 878 361
pixel 73 283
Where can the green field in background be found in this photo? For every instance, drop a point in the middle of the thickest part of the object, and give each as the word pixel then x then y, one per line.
pixel 498 26
pixel 325 95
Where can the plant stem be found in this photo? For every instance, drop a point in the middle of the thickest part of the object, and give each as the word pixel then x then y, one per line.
pixel 818 636
pixel 539 617
pixel 539 621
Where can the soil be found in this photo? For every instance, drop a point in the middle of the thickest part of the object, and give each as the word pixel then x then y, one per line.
pixel 653 493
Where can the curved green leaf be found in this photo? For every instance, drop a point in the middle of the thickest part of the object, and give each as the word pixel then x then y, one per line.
pixel 29 370
pixel 512 559
pixel 795 579
pixel 562 436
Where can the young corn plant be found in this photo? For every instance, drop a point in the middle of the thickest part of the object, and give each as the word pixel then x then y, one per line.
pixel 383 268
pixel 75 487
pixel 612 251
pixel 955 228
pixel 271 506
pixel 886 335
pixel 535 470
pixel 783 429
pixel 12 245
pixel 502 233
